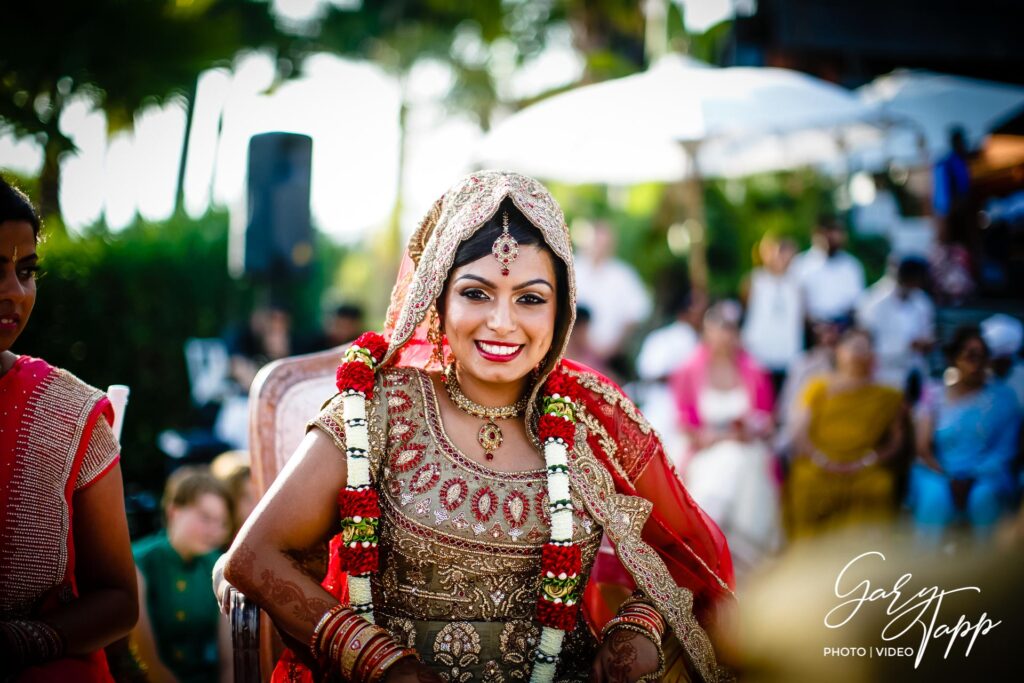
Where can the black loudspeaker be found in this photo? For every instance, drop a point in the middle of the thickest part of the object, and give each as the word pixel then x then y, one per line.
pixel 278 231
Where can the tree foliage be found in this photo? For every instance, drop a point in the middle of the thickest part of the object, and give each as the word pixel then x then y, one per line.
pixel 120 54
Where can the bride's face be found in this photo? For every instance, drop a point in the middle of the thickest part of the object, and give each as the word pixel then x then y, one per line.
pixel 500 327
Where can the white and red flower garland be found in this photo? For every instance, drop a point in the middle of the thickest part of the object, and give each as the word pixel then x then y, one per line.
pixel 359 509
pixel 358 506
pixel 561 563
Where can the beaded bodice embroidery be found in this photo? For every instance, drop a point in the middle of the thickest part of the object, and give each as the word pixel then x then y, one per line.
pixel 460 544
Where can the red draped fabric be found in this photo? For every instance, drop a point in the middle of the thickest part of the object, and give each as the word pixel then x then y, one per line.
pixel 47 418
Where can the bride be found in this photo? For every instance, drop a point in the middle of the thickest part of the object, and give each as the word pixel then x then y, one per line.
pixel 464 475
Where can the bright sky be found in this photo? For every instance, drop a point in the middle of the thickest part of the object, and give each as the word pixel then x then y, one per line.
pixel 700 15
pixel 349 108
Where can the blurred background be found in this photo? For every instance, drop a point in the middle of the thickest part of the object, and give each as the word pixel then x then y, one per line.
pixel 227 182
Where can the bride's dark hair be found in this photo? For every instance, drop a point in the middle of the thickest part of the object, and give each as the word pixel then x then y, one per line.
pixel 526 234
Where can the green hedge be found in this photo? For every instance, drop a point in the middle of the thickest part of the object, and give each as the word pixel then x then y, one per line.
pixel 117 309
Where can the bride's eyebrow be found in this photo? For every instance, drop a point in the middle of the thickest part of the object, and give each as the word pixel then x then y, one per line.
pixel 488 283
pixel 476 278
pixel 535 281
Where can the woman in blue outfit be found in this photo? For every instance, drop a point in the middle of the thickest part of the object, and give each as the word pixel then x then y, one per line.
pixel 967 436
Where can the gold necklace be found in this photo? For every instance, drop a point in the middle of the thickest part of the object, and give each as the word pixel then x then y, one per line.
pixel 489 437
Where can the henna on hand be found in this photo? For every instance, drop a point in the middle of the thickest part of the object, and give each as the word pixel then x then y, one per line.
pixel 312 561
pixel 281 593
pixel 623 656
pixel 277 591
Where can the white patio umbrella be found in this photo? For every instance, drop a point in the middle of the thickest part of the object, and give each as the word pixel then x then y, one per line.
pixel 674 122
pixel 678 119
pixel 933 103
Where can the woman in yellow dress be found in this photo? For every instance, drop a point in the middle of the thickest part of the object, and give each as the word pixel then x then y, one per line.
pixel 848 430
pixel 471 473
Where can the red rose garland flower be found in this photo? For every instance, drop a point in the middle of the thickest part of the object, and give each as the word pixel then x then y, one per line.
pixel 374 343
pixel 554 427
pixel 355 376
pixel 561 561
pixel 358 504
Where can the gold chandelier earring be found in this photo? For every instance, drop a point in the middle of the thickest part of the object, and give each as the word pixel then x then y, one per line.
pixel 436 338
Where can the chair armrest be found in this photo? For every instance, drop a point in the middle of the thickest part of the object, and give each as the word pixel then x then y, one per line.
pixel 245 637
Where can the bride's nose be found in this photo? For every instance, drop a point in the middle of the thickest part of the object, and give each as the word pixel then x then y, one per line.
pixel 501 319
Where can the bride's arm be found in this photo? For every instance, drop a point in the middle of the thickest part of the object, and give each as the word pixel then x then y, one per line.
pixel 298 512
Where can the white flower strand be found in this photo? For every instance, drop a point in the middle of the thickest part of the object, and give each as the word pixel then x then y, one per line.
pixel 556 455
pixel 561 525
pixel 360 596
pixel 357 446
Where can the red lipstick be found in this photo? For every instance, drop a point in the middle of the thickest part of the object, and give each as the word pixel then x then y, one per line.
pixel 489 351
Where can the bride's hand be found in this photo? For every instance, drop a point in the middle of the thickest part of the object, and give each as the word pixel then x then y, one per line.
pixel 625 657
pixel 411 670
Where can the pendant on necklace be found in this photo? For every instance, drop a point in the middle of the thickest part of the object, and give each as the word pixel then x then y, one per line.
pixel 490 438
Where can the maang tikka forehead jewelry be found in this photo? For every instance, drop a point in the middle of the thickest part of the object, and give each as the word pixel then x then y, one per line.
pixel 505 248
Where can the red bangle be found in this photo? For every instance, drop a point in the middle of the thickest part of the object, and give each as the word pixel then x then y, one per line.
pixel 338 632
pixel 645 612
pixel 350 645
pixel 373 651
pixel 316 640
pixel 389 661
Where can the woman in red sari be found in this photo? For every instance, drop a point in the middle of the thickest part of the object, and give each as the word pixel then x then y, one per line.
pixel 67 580
pixel 472 473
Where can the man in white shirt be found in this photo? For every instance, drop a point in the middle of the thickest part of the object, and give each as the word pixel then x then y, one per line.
pixel 1004 335
pixel 773 331
pixel 830 279
pixel 901 318
pixel 612 291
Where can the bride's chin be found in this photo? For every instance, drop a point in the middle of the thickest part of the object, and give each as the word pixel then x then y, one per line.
pixel 497 375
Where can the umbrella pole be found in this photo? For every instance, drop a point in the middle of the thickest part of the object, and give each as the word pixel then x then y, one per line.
pixel 693 201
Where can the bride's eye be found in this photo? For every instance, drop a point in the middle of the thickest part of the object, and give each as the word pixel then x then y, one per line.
pixel 532 299
pixel 474 294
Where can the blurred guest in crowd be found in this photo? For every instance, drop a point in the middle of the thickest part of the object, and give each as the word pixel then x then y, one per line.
pixel 612 291
pixel 67 586
pixel 773 331
pixel 950 266
pixel 344 325
pixel 820 359
pixel 830 278
pixel 233 470
pixel 663 352
pixel 848 429
pixel 180 635
pixel 578 348
pixel 901 319
pixel 967 433
pixel 1004 334
pixel 725 401
pixel 950 257
pixel 952 182
pixel 268 337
